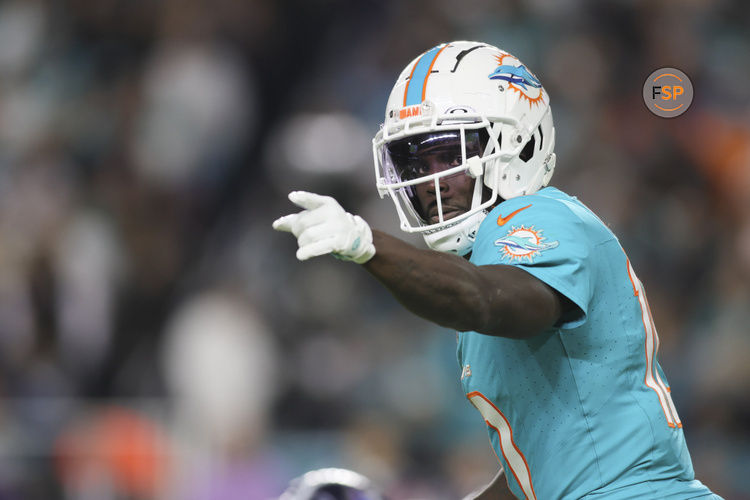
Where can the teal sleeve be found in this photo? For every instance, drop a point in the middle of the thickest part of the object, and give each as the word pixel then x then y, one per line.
pixel 546 239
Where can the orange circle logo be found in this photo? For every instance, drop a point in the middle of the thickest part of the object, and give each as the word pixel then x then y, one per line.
pixel 668 92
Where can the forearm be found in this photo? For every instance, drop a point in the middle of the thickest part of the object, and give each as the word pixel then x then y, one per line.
pixel 440 287
pixel 454 293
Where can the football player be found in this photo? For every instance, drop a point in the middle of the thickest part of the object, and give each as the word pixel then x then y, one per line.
pixel 557 346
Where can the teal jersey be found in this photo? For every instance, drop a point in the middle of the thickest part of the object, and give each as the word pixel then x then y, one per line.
pixel 582 410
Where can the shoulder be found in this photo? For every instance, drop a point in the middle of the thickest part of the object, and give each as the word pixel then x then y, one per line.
pixel 549 206
pixel 528 229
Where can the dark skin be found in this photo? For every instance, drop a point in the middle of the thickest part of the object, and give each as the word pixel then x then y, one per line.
pixel 497 300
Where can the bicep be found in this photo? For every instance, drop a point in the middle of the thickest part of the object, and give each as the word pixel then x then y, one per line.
pixel 518 304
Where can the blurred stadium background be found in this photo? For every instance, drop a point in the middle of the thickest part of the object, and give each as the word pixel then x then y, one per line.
pixel 159 341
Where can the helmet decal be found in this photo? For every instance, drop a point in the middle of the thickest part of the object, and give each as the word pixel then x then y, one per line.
pixel 463 54
pixel 420 73
pixel 519 78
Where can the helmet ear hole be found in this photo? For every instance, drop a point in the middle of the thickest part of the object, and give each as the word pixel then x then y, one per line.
pixel 528 149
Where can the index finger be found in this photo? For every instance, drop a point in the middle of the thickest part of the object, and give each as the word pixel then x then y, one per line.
pixel 308 200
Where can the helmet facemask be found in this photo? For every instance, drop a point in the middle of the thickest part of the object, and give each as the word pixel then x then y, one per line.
pixel 436 162
pixel 435 178
pixel 474 145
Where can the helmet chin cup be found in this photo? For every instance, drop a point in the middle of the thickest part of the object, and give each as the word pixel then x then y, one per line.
pixel 458 239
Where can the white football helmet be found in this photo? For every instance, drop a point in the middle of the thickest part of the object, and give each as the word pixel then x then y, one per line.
pixel 496 114
pixel 331 484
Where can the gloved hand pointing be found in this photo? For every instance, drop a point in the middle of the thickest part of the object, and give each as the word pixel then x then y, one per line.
pixel 325 227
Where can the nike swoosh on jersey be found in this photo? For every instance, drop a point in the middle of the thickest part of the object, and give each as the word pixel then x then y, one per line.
pixel 502 220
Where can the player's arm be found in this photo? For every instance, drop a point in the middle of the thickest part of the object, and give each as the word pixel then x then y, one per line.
pixel 495 300
pixel 446 289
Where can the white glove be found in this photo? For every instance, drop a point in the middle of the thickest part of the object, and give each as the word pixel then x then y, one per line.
pixel 324 227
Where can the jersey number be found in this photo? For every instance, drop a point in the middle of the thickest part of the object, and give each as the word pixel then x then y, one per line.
pixel 652 379
pixel 513 456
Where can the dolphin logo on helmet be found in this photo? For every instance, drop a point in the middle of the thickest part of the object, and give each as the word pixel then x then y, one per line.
pixel 515 74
